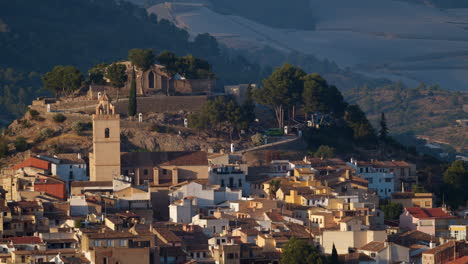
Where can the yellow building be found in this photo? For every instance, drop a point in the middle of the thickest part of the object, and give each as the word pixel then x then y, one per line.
pixel 304 174
pixel 459 232
pixel 409 199
pixel 104 161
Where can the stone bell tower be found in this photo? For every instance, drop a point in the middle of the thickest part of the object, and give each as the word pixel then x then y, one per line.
pixel 104 161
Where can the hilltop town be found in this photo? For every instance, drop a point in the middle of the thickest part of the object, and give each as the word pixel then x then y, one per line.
pixel 156 165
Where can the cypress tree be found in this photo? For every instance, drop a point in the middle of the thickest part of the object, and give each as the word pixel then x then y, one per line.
pixel 132 98
pixel 334 256
pixel 383 133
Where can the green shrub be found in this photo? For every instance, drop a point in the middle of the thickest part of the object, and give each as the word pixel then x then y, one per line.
pixel 25 123
pixel 34 113
pixel 3 148
pixel 163 129
pixel 274 132
pixel 21 144
pixel 46 133
pixel 257 139
pixel 59 118
pixel 78 127
pixel 325 152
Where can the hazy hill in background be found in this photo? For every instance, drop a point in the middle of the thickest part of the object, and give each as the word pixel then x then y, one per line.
pixel 399 40
pixel 355 44
pixel 37 35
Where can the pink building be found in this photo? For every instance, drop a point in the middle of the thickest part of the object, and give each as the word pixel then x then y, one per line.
pixel 433 221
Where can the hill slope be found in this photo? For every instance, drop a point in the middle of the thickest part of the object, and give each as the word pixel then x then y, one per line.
pixel 385 38
pixel 37 35
pixel 424 111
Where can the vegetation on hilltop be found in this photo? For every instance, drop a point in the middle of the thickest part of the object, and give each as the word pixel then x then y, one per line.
pixel 88 33
pixel 424 110
pixel 298 251
pixel 17 90
pixel 456 184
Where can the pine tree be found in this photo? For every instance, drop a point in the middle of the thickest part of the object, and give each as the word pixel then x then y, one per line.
pixel 334 256
pixel 383 133
pixel 132 98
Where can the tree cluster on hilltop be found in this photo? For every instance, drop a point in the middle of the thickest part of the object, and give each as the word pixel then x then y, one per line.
pixel 223 114
pixel 91 32
pixel 289 89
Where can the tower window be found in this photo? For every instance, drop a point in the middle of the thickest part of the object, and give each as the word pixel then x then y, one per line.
pixel 106 133
pixel 151 80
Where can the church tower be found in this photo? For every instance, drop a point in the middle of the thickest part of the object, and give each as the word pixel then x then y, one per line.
pixel 104 161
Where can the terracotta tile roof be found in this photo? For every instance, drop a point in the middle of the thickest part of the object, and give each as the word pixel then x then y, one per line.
pixel 70 158
pixel 440 248
pixel 428 213
pixel 317 196
pixel 410 195
pixel 250 231
pixel 303 190
pixel 355 258
pixel 25 240
pixel 275 216
pixel 26 204
pixel 299 162
pixel 74 260
pixel 153 159
pixel 32 162
pixel 91 184
pixel 462 260
pixel 167 235
pixel 374 246
pixel 110 234
pixel 346 219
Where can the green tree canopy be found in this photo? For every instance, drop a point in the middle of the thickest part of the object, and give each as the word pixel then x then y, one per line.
pixel 168 59
pixel 220 114
pixel 318 96
pixel 248 109
pixel 300 252
pixel 383 132
pixel 194 68
pixel 188 66
pixel 392 211
pixel 63 80
pixel 281 90
pixel 357 121
pixel 314 93
pixel 141 58
pixel 96 74
pixel 207 45
pixel 117 75
pixel 456 180
pixel 325 152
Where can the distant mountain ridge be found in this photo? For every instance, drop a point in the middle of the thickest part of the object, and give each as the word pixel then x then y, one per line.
pixel 397 40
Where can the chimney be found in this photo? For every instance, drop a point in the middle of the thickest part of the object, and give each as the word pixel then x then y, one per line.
pixel 175 176
pixel 432 244
pixel 79 155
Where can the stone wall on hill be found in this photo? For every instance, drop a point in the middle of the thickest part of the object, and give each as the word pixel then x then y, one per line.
pixel 164 104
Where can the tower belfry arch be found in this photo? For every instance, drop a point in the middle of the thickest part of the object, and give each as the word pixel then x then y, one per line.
pixel 104 161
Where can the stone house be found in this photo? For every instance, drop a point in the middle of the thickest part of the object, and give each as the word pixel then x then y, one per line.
pixel 155 81
pixel 409 199
pixel 433 221
pixel 386 252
